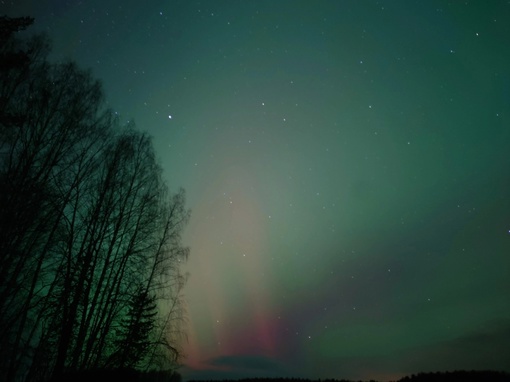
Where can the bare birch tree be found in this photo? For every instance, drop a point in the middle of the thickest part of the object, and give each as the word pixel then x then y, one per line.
pixel 87 226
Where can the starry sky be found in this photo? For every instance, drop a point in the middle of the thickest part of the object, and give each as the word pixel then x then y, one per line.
pixel 346 163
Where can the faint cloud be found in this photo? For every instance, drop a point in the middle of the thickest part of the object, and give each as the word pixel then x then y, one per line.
pixel 247 362
pixel 236 367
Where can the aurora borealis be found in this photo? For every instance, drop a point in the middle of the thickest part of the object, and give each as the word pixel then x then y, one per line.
pixel 346 163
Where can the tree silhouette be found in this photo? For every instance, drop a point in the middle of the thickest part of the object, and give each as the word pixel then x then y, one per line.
pixel 458 376
pixel 90 243
pixel 10 25
pixel 135 331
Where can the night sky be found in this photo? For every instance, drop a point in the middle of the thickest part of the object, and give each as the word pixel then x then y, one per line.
pixel 347 164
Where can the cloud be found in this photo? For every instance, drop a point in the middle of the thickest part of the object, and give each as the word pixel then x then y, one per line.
pixel 236 367
pixel 247 362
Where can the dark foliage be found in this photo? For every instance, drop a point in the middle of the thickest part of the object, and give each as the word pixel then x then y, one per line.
pixel 122 374
pixel 9 25
pixel 98 375
pixel 134 334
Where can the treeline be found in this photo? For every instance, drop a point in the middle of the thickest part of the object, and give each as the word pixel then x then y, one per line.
pixel 282 379
pixel 122 374
pixel 454 376
pixel 459 376
pixel 90 238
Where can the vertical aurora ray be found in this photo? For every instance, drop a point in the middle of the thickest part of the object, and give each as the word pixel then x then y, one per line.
pixel 232 242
